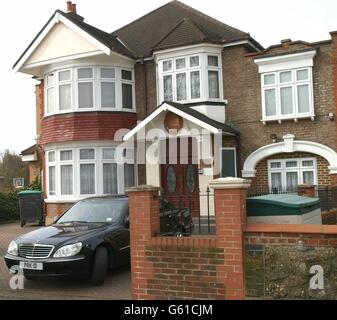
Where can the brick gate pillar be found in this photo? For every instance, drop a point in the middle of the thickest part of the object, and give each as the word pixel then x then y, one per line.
pixel 306 190
pixel 230 217
pixel 144 224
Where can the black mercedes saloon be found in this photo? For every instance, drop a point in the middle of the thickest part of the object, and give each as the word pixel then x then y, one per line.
pixel 87 240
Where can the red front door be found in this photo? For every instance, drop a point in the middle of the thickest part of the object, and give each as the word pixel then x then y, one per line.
pixel 179 174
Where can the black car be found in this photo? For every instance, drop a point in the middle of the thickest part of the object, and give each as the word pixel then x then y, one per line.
pixel 87 240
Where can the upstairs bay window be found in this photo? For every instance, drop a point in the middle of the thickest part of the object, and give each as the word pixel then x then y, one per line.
pixel 89 89
pixel 190 78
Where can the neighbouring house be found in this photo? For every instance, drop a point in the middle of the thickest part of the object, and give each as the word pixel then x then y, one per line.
pixel 203 99
pixel 31 157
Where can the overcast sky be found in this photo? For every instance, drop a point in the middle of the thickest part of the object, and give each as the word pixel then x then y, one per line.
pixel 268 21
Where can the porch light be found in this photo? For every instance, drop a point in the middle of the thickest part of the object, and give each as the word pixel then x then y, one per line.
pixel 273 138
pixel 331 116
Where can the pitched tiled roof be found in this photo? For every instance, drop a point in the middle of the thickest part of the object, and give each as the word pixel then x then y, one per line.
pixel 105 38
pixel 174 21
pixel 29 150
pixel 172 25
pixel 184 33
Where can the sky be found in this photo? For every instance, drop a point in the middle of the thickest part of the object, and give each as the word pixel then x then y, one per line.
pixel 268 21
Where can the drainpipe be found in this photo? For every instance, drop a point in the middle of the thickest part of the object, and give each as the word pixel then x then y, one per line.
pixel 145 86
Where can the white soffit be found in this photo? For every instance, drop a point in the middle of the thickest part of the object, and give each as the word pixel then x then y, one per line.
pixel 29 157
pixel 287 61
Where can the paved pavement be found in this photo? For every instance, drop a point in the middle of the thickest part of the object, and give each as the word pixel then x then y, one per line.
pixel 116 286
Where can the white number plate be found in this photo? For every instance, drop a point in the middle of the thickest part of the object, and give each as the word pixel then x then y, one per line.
pixel 31 265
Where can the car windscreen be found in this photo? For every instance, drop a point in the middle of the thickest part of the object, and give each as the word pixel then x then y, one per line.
pixel 96 210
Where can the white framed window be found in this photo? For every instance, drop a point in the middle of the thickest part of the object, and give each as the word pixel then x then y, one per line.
pixel 287 174
pixel 108 87
pixel 51 173
pixel 64 90
pixel 190 78
pixel 66 172
pixel 127 89
pixel 89 88
pixel 87 166
pixel 287 94
pixel 88 171
pixel 85 88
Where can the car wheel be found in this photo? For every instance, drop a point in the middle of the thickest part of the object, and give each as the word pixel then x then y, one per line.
pixel 100 267
pixel 23 222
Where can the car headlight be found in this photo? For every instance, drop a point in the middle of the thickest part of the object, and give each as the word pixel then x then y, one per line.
pixel 13 248
pixel 68 250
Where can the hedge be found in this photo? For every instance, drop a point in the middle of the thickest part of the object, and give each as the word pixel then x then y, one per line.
pixel 9 207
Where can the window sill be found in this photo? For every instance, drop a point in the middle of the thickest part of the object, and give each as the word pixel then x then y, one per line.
pixel 291 118
pixel 91 110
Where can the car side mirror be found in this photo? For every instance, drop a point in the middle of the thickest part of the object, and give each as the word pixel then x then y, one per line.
pixel 127 222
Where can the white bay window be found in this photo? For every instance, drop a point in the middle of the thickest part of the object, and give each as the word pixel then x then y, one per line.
pixel 87 171
pixel 190 78
pixel 89 89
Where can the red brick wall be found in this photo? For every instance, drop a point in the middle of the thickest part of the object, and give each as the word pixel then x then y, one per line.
pixel 39 93
pixel 199 267
pixel 291 238
pixel 53 210
pixel 334 68
pixel 146 88
pixel 86 126
pixel 291 234
pixel 185 268
pixel 323 173
pixel 144 224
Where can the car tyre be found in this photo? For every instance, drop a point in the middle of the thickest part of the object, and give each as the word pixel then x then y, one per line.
pixel 23 222
pixel 100 267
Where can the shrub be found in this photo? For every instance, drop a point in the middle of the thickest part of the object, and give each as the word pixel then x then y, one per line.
pixel 9 206
pixel 9 203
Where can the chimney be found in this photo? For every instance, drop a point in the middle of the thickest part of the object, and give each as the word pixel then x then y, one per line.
pixel 71 7
pixel 286 42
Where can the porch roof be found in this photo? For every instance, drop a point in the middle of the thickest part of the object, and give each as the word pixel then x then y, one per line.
pixel 188 113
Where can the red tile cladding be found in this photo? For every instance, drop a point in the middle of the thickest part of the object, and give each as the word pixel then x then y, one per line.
pixel 86 126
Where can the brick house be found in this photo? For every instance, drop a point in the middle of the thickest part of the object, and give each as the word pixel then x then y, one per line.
pixel 176 81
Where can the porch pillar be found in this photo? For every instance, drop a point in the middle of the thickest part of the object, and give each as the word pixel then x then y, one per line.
pixel 144 224
pixel 230 216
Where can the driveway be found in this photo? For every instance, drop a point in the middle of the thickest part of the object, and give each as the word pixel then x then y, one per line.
pixel 116 286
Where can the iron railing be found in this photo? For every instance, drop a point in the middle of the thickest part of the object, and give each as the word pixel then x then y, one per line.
pixel 201 208
pixel 258 191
